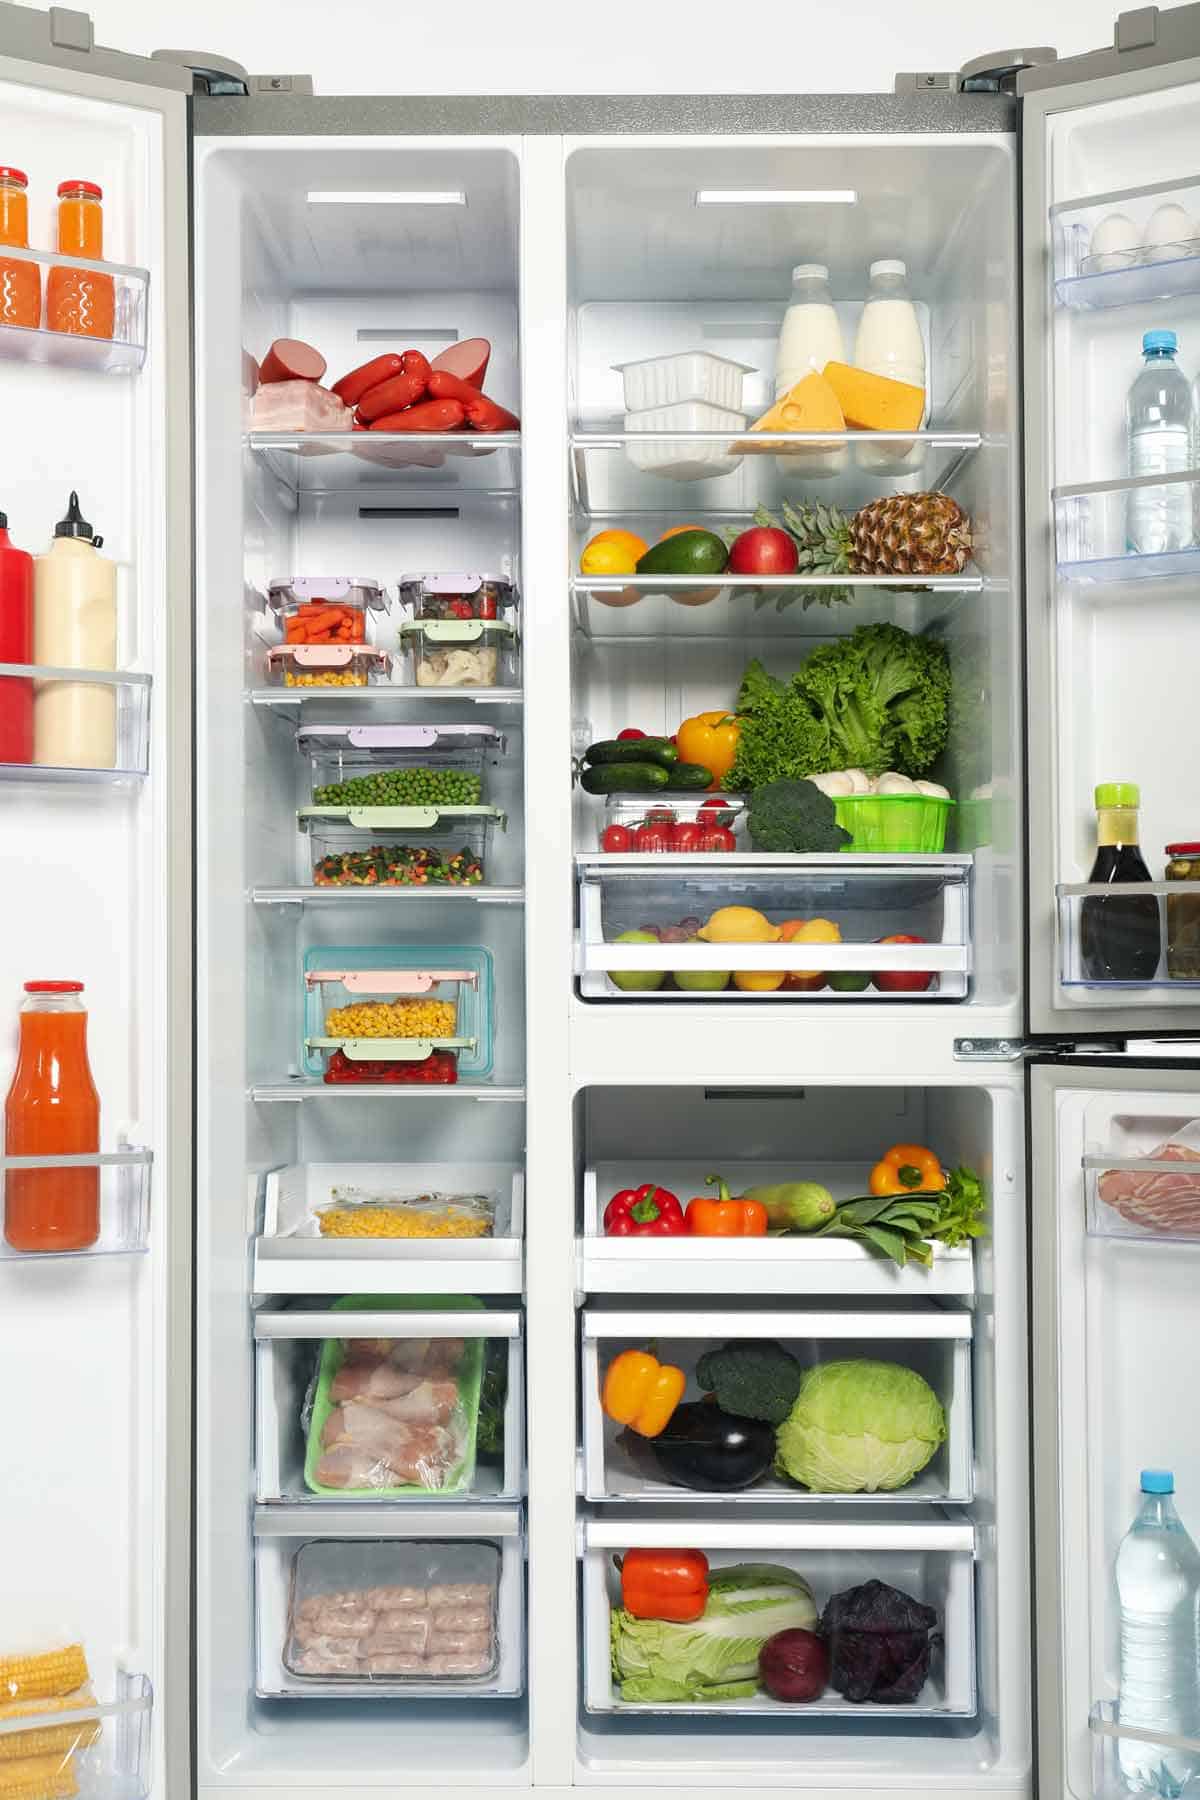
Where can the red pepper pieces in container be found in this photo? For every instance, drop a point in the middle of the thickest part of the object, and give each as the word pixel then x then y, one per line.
pixel 440 1068
pixel 646 1211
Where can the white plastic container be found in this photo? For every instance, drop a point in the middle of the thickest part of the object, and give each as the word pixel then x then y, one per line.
pixel 692 375
pixel 679 460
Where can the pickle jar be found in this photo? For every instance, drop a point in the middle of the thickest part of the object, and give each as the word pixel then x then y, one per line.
pixel 1183 913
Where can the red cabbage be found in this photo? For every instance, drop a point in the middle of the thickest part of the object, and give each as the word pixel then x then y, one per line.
pixel 879 1643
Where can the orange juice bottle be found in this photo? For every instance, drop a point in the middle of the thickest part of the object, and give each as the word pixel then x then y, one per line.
pixel 79 300
pixel 52 1110
pixel 20 282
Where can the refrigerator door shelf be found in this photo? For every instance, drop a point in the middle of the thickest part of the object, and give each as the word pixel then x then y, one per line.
pixel 1108 1781
pixel 124 1184
pixel 1150 250
pixel 934 1343
pixel 110 1759
pixel 122 354
pixel 131 709
pixel 1162 985
pixel 931 1560
pixel 1146 1199
pixel 334 462
pixel 779 1266
pixel 1090 529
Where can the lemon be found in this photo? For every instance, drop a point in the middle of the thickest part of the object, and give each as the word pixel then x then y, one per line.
pixel 758 981
pixel 738 925
pixel 817 931
pixel 607 559
pixel 628 540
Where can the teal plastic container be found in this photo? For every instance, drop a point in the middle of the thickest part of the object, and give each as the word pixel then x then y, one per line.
pixel 471 1039
pixel 901 824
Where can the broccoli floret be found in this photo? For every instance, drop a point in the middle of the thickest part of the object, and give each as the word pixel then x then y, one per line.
pixel 883 696
pixel 791 817
pixel 753 1378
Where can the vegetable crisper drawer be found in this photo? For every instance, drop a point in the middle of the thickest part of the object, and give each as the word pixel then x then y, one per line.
pixel 389 1397
pixel 930 1560
pixel 859 927
pixel 429 1603
pixel 887 1422
pixel 398 1004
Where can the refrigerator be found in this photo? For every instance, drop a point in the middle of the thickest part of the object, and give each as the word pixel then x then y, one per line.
pixel 199 1534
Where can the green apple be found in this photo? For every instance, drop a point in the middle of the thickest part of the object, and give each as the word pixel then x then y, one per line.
pixel 702 981
pixel 636 981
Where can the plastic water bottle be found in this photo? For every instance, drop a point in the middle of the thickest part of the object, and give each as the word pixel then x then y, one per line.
pixel 1158 416
pixel 1158 1585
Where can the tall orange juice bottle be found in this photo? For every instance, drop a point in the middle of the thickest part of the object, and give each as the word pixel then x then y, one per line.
pixel 52 1109
pixel 80 300
pixel 20 282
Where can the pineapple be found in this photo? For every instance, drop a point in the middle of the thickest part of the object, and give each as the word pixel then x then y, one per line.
pixel 902 534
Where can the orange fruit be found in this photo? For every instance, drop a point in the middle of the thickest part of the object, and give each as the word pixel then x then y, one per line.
pixel 675 530
pixel 628 540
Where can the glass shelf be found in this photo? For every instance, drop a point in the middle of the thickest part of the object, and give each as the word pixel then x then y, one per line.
pixel 110 1756
pixel 625 608
pixel 325 462
pixel 1127 247
pixel 306 1088
pixel 1091 522
pixel 124 1179
pixel 131 726
pixel 1073 896
pixel 372 896
pixel 385 702
pixel 122 354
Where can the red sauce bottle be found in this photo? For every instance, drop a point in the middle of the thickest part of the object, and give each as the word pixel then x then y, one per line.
pixel 52 1109
pixel 16 646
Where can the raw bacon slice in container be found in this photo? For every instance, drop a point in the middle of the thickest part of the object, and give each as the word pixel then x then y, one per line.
pixel 1160 1200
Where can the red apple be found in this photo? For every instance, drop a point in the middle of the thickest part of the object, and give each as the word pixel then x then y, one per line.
pixel 763 550
pixel 902 981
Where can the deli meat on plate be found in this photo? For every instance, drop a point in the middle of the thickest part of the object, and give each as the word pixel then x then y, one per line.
pixel 1157 1199
pixel 299 406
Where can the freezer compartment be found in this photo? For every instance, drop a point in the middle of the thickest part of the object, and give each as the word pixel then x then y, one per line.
pixel 352 1612
pixel 365 1227
pixel 117 292
pixel 121 1182
pixel 933 1345
pixel 1122 248
pixel 930 1559
pixel 847 907
pixel 1093 530
pixel 459 653
pixel 94 724
pixel 388 1398
pixel 397 1004
pixel 80 1743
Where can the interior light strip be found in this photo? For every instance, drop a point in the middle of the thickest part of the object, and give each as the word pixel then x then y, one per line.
pixel 450 197
pixel 776 197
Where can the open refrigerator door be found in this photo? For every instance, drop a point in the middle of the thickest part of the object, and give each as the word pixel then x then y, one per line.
pixel 95 1262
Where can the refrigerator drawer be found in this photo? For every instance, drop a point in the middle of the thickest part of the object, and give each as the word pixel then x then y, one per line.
pixel 399 1398
pixel 379 1554
pixel 934 1344
pixel 930 1560
pixel 853 909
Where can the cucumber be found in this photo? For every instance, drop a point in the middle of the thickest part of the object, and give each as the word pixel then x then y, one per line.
pixel 624 778
pixel 692 778
pixel 633 750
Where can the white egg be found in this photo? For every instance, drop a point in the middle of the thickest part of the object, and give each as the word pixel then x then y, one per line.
pixel 860 781
pixel 1115 243
pixel 1169 231
pixel 893 783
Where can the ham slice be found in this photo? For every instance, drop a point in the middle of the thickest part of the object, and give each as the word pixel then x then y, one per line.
pixel 468 360
pixel 1158 1199
pixel 299 406
pixel 289 359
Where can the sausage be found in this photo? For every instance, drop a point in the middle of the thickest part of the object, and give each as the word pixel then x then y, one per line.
pixel 484 415
pixel 351 388
pixel 390 396
pixel 468 360
pixel 290 360
pixel 445 386
pixel 417 364
pixel 431 415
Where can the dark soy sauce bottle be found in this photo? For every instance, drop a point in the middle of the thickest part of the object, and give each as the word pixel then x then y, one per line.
pixel 1120 938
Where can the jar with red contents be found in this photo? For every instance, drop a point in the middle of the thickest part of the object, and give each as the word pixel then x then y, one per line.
pixel 20 281
pixel 79 300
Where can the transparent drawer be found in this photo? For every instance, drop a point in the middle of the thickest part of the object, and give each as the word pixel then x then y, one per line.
pixel 1112 936
pixel 858 927
pixel 79 1744
pixel 460 653
pixel 399 846
pixel 389 1608
pixel 423 1401
pixel 713 824
pixel 326 666
pixel 1146 527
pixel 398 1004
pixel 458 596
pixel 929 1561
pixel 1139 245
pixel 1144 1182
pixel 930 1349
pixel 115 1182
pixel 398 765
pixel 332 609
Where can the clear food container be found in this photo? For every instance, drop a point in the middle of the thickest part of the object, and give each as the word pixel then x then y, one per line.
pixel 690 375
pixel 325 609
pixel 1183 913
pixel 397 1006
pixel 399 846
pixel 704 824
pixel 679 460
pixel 326 665
pixel 397 765
pixel 458 595
pixel 470 653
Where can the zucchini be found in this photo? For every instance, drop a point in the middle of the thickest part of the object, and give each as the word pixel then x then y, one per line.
pixel 624 778
pixel 633 750
pixel 691 777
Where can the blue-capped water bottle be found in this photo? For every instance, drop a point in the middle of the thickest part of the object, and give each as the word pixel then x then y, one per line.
pixel 1158 1586
pixel 1158 418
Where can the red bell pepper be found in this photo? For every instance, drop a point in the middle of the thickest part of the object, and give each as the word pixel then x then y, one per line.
pixel 646 1211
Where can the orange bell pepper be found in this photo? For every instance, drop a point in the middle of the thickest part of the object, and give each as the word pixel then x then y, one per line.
pixel 710 739
pixel 907 1169
pixel 664 1584
pixel 641 1392
pixel 725 1216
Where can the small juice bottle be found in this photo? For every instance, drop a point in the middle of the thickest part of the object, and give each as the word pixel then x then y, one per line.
pixel 52 1110
pixel 20 282
pixel 80 300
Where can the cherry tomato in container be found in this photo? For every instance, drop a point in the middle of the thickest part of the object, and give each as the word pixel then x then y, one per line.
pixel 653 837
pixel 687 837
pixel 659 815
pixel 616 839
pixel 716 838
pixel 902 981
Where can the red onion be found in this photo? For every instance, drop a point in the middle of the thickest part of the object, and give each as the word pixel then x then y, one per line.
pixel 794 1665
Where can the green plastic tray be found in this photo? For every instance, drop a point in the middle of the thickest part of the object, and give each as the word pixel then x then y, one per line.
pixel 470 1378
pixel 904 824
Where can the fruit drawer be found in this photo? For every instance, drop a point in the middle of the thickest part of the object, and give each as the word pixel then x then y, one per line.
pixel 397 1004
pixel 781 928
pixel 816 1408
pixel 928 1562
pixel 456 1625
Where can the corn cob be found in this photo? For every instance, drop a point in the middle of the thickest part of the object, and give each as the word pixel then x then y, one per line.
pixel 38 1778
pixel 40 1677
pixel 42 1740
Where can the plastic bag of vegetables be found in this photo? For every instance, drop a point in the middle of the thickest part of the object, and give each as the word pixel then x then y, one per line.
pixel 715 1657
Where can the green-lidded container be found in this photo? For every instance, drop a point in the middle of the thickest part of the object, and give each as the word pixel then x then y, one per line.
pixel 469 1377
pixel 901 824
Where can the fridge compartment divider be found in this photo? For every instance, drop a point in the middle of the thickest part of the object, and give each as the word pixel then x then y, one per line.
pixel 124 1184
pixel 131 707
pixel 936 1342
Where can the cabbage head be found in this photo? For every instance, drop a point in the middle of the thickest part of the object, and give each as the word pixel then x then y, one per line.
pixel 714 1657
pixel 859 1427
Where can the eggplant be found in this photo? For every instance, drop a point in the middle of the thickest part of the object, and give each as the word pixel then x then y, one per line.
pixel 709 1450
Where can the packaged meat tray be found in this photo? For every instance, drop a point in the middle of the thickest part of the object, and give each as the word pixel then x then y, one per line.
pixel 1154 1195
pixel 393 1611
pixel 466 653
pixel 459 596
pixel 326 665
pixel 393 1417
pixel 325 609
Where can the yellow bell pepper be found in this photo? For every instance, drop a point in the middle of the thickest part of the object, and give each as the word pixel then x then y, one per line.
pixel 641 1392
pixel 710 739
pixel 907 1169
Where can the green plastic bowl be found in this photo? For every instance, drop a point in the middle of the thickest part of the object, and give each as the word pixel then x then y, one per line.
pixel 903 824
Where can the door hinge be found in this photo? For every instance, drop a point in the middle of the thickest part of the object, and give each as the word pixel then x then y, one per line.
pixel 991 1049
pixel 997 72
pixel 210 74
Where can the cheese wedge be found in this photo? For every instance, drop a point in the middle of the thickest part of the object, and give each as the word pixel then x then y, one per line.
pixel 811 405
pixel 874 402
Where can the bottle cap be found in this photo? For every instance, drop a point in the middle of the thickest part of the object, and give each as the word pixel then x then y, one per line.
pixel 1183 849
pixel 54 987
pixel 80 187
pixel 1159 340
pixel 1118 793
pixel 17 175
pixel 801 270
pixel 3 521
pixel 73 524
pixel 1158 1481
pixel 889 266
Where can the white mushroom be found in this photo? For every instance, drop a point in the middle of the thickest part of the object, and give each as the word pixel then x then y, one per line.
pixel 894 783
pixel 933 789
pixel 860 781
pixel 836 784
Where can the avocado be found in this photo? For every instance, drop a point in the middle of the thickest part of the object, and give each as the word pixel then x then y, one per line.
pixel 687 553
